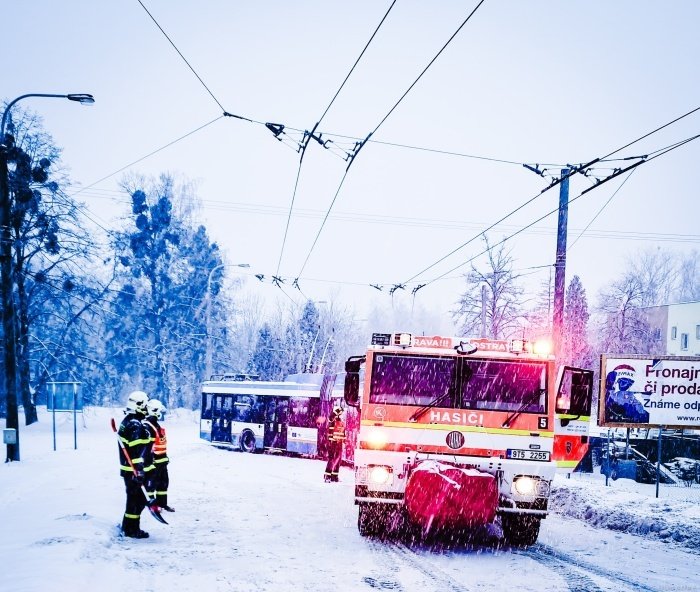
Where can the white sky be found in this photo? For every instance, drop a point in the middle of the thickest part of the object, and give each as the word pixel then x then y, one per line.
pixel 266 523
pixel 537 82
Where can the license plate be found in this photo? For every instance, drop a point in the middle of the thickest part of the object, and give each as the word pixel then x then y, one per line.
pixel 527 454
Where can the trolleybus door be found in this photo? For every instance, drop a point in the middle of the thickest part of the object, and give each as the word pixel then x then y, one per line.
pixel 221 407
pixel 276 412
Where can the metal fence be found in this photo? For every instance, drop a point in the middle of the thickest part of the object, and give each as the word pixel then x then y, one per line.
pixel 668 461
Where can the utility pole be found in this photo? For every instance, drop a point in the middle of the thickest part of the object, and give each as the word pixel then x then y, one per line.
pixel 560 264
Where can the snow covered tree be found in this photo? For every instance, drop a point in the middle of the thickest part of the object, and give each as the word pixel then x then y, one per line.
pixel 159 342
pixel 576 350
pixel 49 253
pixel 269 360
pixel 503 295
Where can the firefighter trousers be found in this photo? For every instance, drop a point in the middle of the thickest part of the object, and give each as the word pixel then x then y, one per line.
pixel 158 484
pixel 335 455
pixel 135 503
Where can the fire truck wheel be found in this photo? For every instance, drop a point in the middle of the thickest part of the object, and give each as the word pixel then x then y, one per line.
pixel 369 520
pixel 520 531
pixel 247 441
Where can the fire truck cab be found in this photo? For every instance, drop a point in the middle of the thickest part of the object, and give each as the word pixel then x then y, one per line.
pixel 455 432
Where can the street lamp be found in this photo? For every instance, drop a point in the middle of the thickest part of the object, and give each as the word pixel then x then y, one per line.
pixel 7 277
pixel 209 352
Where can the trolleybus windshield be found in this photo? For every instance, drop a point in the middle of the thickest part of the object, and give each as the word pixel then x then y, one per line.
pixel 494 385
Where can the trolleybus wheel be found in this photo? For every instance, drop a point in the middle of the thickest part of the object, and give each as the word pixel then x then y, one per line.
pixel 247 441
pixel 520 531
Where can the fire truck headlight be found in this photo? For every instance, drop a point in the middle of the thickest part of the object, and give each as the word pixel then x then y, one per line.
pixel 525 485
pixel 376 438
pixel 379 474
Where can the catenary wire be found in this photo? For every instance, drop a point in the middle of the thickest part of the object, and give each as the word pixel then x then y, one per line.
pixel 357 217
pixel 201 127
pixel 614 175
pixel 309 135
pixel 182 56
pixel 600 211
pixel 571 172
pixel 359 146
pixel 357 61
pixel 403 96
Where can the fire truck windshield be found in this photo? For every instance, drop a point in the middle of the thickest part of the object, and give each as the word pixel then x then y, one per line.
pixel 505 386
pixel 450 382
pixel 411 380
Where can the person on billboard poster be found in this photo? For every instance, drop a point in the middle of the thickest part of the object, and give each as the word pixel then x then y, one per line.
pixel 621 404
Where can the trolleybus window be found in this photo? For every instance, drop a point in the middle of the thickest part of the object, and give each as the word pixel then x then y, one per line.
pixel 505 386
pixel 411 380
pixel 303 412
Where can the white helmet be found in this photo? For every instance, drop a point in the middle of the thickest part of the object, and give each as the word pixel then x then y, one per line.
pixel 136 402
pixel 155 408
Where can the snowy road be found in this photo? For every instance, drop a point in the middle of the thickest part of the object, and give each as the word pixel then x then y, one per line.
pixel 269 523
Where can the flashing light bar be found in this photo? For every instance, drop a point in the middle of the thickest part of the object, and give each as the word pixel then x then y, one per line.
pixel 403 339
pixel 523 346
pixel 520 346
pixel 397 339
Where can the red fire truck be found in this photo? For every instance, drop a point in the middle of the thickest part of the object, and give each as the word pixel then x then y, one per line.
pixel 456 432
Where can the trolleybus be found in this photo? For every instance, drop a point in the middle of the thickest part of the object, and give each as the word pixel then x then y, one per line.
pixel 282 416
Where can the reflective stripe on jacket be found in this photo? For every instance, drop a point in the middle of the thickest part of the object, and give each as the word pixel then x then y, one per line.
pixel 137 441
pixel 336 430
pixel 160 441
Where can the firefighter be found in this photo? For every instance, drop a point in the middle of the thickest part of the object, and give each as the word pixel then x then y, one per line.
pixel 136 438
pixel 336 437
pixel 158 478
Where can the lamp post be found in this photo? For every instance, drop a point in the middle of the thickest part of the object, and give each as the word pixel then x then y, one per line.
pixel 209 351
pixel 9 317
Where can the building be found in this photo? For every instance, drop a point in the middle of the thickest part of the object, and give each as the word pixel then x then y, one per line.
pixel 677 326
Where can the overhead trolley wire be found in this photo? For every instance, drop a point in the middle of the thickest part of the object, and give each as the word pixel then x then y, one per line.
pixel 403 96
pixel 194 131
pixel 357 61
pixel 360 144
pixel 184 59
pixel 574 170
pixel 309 135
pixel 600 211
pixel 570 201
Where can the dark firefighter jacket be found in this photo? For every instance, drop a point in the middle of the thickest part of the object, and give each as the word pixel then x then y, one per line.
pixel 136 438
pixel 160 441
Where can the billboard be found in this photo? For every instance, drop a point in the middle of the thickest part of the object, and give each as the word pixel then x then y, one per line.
pixel 649 391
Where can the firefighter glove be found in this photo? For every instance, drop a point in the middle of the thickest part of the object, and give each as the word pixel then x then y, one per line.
pixel 138 477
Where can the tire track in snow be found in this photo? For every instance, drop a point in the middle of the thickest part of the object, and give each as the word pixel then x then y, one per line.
pixel 393 554
pixel 570 569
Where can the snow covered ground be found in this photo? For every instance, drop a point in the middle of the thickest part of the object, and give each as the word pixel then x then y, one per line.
pixel 627 506
pixel 269 523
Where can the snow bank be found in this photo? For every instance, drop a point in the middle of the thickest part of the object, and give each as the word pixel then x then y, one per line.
pixel 630 507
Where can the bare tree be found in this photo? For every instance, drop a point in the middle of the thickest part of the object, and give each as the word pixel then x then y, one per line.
pixel 623 327
pixel 503 296
pixel 689 277
pixel 657 272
